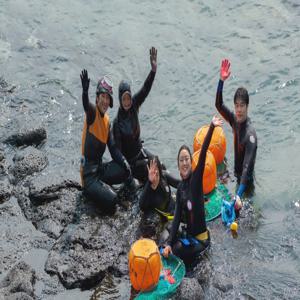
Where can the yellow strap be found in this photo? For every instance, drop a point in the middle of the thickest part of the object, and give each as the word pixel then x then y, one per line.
pixel 202 236
pixel 165 214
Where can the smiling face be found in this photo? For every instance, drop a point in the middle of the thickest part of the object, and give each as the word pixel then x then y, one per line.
pixel 184 163
pixel 126 101
pixel 102 102
pixel 241 110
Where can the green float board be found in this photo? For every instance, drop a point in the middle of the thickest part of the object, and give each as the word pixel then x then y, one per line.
pixel 164 289
pixel 213 201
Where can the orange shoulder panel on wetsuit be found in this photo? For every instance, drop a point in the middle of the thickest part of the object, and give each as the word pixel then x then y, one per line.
pixel 99 129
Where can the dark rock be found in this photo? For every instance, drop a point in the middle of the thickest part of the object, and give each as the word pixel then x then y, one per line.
pixel 84 252
pixel 41 193
pixel 5 190
pixel 222 283
pixel 189 289
pixel 52 214
pixel 3 167
pixel 249 218
pixel 19 236
pixel 4 86
pixel 203 272
pixel 20 279
pixel 1 156
pixel 28 137
pixel 19 296
pixel 28 162
pixel 96 245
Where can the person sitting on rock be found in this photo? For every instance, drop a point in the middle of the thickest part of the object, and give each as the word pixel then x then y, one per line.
pixel 97 176
pixel 156 194
pixel 156 201
pixel 126 125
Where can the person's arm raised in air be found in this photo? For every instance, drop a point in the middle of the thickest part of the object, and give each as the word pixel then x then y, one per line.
pixel 226 113
pixel 88 107
pixel 141 95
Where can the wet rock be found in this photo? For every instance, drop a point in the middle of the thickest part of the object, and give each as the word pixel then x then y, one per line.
pixel 88 250
pixel 249 217
pixel 20 279
pixel 5 190
pixel 190 289
pixel 222 283
pixel 19 296
pixel 4 86
pixel 27 162
pixel 84 252
pixel 17 235
pixel 1 155
pixel 203 271
pixel 28 137
pixel 41 192
pixel 51 212
pixel 3 167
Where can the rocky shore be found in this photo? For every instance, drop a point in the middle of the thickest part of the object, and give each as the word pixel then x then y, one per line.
pixel 54 240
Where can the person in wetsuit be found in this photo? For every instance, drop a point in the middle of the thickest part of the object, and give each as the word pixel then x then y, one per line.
pixel 126 125
pixel 189 207
pixel 245 140
pixel 156 201
pixel 156 193
pixel 96 176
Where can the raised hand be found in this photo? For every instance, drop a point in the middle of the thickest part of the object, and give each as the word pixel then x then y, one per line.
pixel 153 175
pixel 85 81
pixel 225 69
pixel 217 121
pixel 153 59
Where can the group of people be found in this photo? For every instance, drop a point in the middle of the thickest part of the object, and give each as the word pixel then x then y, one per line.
pixel 130 160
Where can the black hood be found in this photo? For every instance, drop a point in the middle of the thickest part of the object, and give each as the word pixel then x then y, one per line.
pixel 124 87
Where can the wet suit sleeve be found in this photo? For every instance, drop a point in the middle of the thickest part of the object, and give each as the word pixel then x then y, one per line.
pixel 114 151
pixel 250 154
pixel 221 107
pixel 197 189
pixel 89 108
pixel 117 135
pixel 141 95
pixel 176 220
pixel 144 201
pixel 171 180
pixel 198 211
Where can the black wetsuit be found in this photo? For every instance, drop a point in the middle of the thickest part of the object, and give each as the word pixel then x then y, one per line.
pixel 161 197
pixel 126 129
pixel 245 141
pixel 96 176
pixel 189 209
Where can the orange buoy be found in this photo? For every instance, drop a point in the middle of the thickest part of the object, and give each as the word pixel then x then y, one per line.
pixel 144 265
pixel 217 145
pixel 210 170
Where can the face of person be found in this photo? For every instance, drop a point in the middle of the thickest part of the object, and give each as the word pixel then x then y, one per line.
pixel 184 164
pixel 126 101
pixel 103 101
pixel 241 110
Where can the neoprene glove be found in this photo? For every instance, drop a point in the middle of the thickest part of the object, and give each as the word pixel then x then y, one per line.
pixel 85 81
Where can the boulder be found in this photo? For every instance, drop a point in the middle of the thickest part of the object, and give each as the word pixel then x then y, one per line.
pixel 20 280
pixel 27 137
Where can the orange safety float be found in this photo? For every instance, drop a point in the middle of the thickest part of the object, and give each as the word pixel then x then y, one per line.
pixel 210 170
pixel 144 265
pixel 217 145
